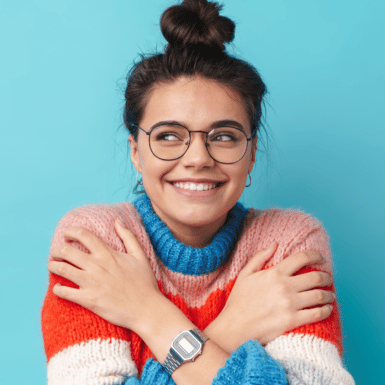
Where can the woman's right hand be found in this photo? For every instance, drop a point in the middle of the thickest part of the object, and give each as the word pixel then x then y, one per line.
pixel 264 304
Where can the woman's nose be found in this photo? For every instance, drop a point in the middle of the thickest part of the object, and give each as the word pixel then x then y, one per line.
pixel 197 154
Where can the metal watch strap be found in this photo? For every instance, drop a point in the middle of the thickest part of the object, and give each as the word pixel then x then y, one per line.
pixel 199 335
pixel 174 360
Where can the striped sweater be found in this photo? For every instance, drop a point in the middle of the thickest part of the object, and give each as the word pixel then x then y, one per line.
pixel 82 348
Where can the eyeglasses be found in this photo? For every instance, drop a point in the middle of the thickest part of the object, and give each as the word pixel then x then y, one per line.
pixel 225 145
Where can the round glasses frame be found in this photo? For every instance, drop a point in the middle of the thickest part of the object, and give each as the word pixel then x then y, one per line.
pixel 189 141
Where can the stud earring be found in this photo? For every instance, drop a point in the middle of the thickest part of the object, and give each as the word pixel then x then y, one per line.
pixel 249 184
pixel 137 179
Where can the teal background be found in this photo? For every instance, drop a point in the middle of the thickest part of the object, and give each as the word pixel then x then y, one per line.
pixel 62 70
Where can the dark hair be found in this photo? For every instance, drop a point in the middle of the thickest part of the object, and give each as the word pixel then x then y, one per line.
pixel 196 36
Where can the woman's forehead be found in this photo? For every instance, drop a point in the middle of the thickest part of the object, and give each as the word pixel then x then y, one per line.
pixel 194 100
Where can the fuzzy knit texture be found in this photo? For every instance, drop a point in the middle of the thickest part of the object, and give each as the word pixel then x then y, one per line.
pixel 82 348
pixel 185 259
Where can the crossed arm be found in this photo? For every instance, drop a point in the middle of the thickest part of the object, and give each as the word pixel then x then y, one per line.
pixel 121 288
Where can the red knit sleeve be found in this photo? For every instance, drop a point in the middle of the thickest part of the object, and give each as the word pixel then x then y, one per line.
pixel 77 342
pixel 312 353
pixel 312 236
pixel 65 323
pixel 296 231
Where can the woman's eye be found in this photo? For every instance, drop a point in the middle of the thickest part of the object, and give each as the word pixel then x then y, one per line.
pixel 167 136
pixel 223 138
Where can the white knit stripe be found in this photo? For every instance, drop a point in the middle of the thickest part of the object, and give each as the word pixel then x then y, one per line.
pixel 309 360
pixel 96 362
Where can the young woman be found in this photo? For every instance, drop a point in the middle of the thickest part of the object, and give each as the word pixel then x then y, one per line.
pixel 186 285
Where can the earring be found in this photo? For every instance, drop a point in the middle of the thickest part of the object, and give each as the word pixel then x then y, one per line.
pixel 248 185
pixel 137 179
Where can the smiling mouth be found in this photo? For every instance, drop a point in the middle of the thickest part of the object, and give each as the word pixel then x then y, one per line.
pixel 197 186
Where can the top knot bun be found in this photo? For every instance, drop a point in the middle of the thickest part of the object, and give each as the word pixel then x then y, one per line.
pixel 197 22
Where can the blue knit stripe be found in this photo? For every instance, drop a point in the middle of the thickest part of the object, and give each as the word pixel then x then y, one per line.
pixel 185 259
pixel 251 365
pixel 248 365
pixel 153 374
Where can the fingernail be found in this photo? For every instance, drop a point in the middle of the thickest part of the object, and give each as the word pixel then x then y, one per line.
pixel 119 222
pixel 331 307
pixel 334 296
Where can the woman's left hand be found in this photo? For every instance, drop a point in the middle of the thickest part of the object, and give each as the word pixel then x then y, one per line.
pixel 119 287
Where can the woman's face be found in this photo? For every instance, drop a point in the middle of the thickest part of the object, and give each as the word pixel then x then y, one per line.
pixel 195 103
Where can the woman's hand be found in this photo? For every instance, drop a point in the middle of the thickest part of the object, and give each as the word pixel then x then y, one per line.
pixel 118 287
pixel 266 303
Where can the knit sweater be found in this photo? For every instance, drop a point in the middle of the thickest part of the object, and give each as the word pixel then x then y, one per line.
pixel 82 348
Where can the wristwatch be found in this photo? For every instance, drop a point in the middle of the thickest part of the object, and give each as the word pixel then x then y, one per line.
pixel 186 346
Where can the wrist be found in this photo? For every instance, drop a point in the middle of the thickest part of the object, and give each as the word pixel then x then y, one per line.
pixel 160 324
pixel 221 331
pixel 230 333
pixel 164 323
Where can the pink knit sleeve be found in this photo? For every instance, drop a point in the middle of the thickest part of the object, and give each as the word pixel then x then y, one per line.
pixel 312 353
pixel 80 345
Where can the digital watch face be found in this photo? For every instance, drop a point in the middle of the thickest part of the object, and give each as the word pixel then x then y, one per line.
pixel 186 346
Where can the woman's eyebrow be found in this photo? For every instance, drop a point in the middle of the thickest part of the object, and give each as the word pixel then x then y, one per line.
pixel 217 124
pixel 167 123
pixel 227 123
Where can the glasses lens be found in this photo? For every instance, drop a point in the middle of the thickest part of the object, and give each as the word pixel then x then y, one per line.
pixel 227 144
pixel 169 142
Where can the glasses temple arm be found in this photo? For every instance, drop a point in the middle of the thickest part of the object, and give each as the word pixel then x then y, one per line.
pixel 140 128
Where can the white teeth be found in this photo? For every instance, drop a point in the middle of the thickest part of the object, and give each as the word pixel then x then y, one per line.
pixel 195 187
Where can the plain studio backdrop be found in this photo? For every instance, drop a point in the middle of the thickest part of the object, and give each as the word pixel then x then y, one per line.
pixel 62 71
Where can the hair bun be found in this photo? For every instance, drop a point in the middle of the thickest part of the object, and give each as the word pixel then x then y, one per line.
pixel 197 22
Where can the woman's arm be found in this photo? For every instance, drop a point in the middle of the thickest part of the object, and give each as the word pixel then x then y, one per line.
pixel 82 346
pixel 121 288
pixel 311 349
pixel 254 359
pixel 266 303
pixel 312 353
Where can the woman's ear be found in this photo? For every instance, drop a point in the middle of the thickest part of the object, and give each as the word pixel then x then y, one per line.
pixel 254 142
pixel 134 153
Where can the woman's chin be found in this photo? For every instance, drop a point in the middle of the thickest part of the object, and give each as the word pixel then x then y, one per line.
pixel 201 218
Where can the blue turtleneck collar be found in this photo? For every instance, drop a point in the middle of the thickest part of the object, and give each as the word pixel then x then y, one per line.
pixel 186 259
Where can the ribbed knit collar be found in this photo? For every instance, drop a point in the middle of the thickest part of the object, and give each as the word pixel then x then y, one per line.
pixel 186 259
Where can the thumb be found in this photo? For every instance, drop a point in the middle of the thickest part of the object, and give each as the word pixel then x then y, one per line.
pixel 259 260
pixel 130 242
